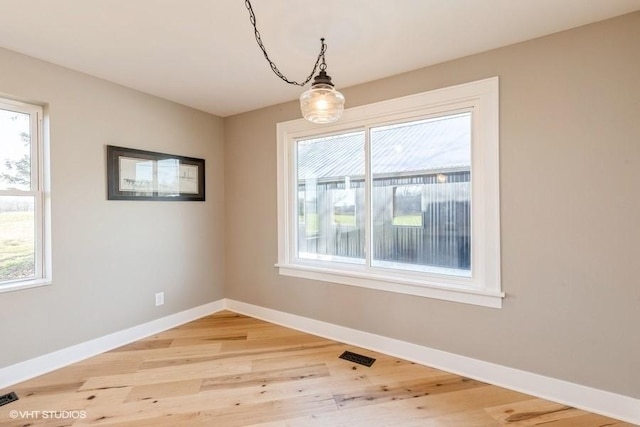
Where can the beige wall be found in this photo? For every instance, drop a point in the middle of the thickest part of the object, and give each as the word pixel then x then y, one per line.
pixel 570 207
pixel 110 257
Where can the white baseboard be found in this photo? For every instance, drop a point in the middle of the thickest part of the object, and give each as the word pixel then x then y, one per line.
pixel 590 399
pixel 58 359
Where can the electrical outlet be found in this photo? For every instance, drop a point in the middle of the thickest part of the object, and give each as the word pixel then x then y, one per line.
pixel 159 298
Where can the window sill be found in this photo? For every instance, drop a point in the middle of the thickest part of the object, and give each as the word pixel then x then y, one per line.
pixel 24 284
pixel 389 283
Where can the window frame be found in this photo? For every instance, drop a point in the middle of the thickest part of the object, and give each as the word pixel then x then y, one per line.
pixel 484 287
pixel 39 191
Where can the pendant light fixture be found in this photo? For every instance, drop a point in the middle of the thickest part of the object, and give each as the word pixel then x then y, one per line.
pixel 322 103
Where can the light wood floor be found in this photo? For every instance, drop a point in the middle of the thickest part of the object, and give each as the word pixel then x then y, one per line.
pixel 233 370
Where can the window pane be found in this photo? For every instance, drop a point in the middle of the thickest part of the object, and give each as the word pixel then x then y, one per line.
pixel 407 205
pixel 17 238
pixel 422 195
pixel 15 151
pixel 330 208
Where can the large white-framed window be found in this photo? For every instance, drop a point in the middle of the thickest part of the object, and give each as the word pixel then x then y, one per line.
pixel 416 179
pixel 24 235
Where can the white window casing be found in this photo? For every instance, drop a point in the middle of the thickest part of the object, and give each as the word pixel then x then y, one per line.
pixel 482 286
pixel 39 192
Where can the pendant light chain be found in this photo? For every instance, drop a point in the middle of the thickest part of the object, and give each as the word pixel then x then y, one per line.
pixel 274 68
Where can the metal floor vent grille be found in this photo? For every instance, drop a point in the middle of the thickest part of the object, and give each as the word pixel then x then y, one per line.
pixel 357 358
pixel 8 398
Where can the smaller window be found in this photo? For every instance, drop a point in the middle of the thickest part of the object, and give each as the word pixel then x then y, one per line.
pixel 407 206
pixel 23 239
pixel 344 207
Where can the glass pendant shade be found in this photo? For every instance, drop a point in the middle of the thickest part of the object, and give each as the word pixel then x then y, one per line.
pixel 322 103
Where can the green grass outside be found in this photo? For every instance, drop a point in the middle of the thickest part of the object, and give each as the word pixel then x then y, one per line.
pixel 311 221
pixel 408 220
pixel 349 220
pixel 312 227
pixel 16 245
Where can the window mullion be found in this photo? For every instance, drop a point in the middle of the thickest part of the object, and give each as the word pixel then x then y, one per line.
pixel 37 187
pixel 292 194
pixel 368 253
pixel 34 139
pixel 39 236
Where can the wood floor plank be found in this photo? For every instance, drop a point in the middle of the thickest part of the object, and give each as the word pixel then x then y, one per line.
pixel 253 413
pixel 323 353
pixel 166 374
pixel 388 418
pixel 74 400
pixel 273 332
pixel 159 390
pixel 145 345
pixel 266 377
pixel 405 390
pixel 228 369
pixel 587 420
pixel 207 340
pixel 173 352
pixel 293 343
pixel 532 412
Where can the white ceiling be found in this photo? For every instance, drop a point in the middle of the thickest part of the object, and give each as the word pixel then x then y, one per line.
pixel 202 53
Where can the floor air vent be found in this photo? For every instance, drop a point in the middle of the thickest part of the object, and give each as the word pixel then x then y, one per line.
pixel 357 358
pixel 8 398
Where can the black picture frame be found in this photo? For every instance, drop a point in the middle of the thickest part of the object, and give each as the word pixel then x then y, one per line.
pixel 134 174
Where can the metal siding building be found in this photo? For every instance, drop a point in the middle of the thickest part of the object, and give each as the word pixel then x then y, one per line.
pixel 421 192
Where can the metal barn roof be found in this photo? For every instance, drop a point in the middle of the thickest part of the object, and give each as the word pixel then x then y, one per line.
pixel 425 146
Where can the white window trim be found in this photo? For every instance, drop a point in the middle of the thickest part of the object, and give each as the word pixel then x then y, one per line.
pixel 42 208
pixel 484 287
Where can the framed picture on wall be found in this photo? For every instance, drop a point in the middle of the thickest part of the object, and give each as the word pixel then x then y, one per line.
pixel 134 174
